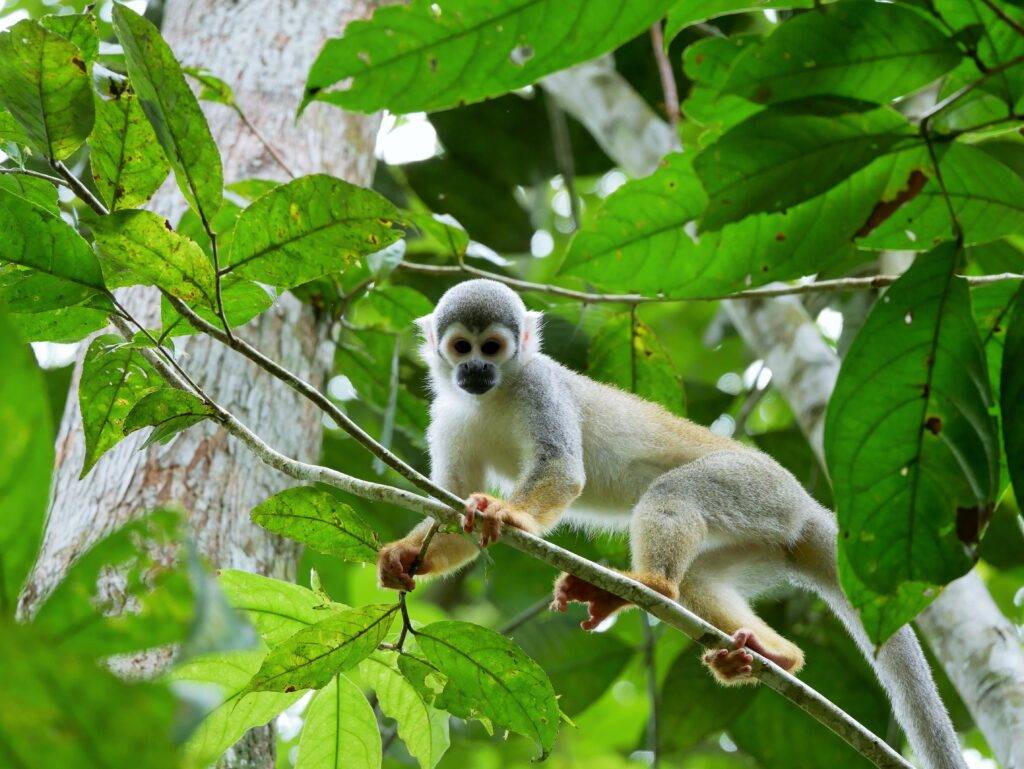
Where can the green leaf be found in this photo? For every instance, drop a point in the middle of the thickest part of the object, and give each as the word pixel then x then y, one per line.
pixel 168 411
pixel 707 63
pixel 59 707
pixel 152 606
pixel 242 299
pixel 36 239
pixel 318 517
pixel 11 130
pixel 910 443
pixel 423 728
pixel 992 305
pixel 340 730
pixel 1012 395
pixel 987 196
pixel 77 28
pixel 489 671
pixel 26 458
pixel 23 290
pixel 38 192
pixel 69 324
pixel 429 56
pixel 127 163
pixel 308 659
pixel 645 369
pixel 394 307
pixel 115 377
pixel 172 110
pixel 683 13
pixel 211 87
pixel 139 247
pixel 694 705
pixel 998 43
pixel 239 712
pixel 789 153
pixel 277 609
pixel 44 85
pixel 858 48
pixel 312 226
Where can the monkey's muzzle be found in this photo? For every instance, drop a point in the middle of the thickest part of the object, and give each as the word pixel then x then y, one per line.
pixel 476 376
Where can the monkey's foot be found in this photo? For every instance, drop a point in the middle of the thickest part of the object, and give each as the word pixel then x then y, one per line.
pixel 600 603
pixel 493 514
pixel 735 665
pixel 393 564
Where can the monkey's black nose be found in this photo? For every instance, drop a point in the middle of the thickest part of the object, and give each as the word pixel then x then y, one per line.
pixel 476 376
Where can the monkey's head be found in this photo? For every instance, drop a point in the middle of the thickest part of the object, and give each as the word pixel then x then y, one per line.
pixel 479 332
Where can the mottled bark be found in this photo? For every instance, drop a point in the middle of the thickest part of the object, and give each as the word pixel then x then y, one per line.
pixel 263 49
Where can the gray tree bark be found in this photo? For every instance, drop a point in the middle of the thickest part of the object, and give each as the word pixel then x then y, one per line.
pixel 979 649
pixel 263 49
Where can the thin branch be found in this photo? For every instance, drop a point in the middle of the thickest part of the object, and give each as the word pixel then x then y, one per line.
pixel 653 721
pixel 76 185
pixel 526 615
pixel 961 92
pixel 271 150
pixel 780 289
pixel 1011 22
pixel 670 612
pixel 15 171
pixel 562 145
pixel 218 281
pixel 669 90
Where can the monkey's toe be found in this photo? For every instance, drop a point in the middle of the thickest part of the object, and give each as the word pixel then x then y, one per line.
pixel 747 638
pixel 730 666
pixel 600 603
pixel 393 565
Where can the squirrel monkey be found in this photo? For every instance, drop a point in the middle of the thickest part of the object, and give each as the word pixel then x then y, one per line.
pixel 712 522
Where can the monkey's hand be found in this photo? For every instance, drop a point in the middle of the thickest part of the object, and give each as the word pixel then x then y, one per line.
pixel 393 564
pixel 493 514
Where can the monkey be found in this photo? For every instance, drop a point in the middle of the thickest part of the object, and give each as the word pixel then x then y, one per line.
pixel 713 523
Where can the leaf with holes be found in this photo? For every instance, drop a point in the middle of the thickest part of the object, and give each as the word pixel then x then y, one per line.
pixel 115 377
pixel 168 411
pixel 340 730
pixel 910 442
pixel 422 727
pixel 308 659
pixel 126 160
pixel 172 110
pixel 319 518
pixel 488 671
pixel 1012 395
pixel 45 86
pixel 138 247
pixel 428 55
pixel 312 226
pixel 858 49
pixel 790 153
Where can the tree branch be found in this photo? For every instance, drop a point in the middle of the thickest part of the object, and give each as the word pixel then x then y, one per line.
pixel 14 171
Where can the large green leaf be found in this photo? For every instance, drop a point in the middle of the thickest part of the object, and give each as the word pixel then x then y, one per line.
pixel 172 110
pixel 992 304
pixel 910 443
pixel 59 708
pixel 340 730
pixel 638 239
pixel 1012 396
pixel 423 728
pixel 168 411
pixel 394 307
pixel 115 377
pixel 240 710
pixel 707 63
pixel 683 13
pixel 126 160
pixel 34 238
pixel 44 85
pixel 636 362
pixel 987 196
pixel 277 609
pixel 38 192
pixel 494 677
pixel 789 153
pixel 26 459
pixel 998 42
pixel 138 247
pixel 319 518
pixel 241 299
pixel 78 28
pixel 312 226
pixel 428 56
pixel 68 324
pixel 858 48
pixel 308 659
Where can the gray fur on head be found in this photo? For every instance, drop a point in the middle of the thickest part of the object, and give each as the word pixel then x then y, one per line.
pixel 477 304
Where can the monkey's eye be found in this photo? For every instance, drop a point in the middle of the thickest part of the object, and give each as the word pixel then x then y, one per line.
pixel 491 347
pixel 461 346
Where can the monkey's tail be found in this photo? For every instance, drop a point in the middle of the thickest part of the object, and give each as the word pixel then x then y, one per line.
pixel 904 674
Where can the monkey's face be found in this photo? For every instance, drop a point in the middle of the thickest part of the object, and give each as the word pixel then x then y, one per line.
pixel 477 358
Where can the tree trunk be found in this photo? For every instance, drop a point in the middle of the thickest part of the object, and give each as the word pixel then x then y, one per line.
pixel 263 49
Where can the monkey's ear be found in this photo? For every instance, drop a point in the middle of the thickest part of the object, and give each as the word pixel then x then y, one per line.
pixel 529 337
pixel 426 326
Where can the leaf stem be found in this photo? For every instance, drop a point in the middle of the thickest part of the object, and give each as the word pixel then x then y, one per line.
pixel 15 171
pixel 669 90
pixel 79 188
pixel 271 150
pixel 217 278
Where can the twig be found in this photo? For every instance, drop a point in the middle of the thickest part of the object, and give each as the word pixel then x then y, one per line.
pixel 217 276
pixel 670 93
pixel 820 286
pixel 1011 22
pixel 76 185
pixel 961 92
pixel 388 429
pixel 653 721
pixel 526 615
pixel 271 150
pixel 562 145
pixel 15 171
